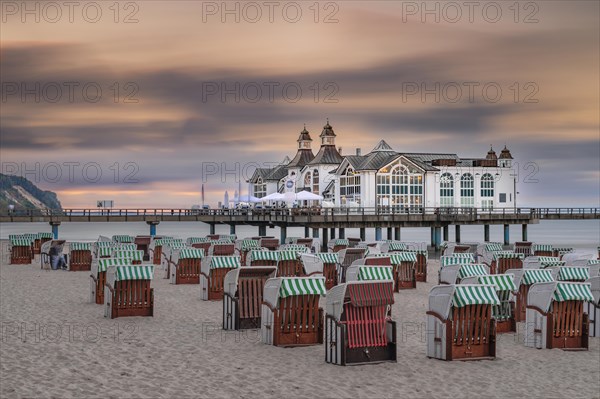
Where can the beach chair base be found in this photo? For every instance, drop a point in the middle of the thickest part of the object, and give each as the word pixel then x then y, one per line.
pixel 80 261
pixel 593 313
pixel 506 326
pixel 130 298
pixel 338 352
pixel 211 286
pixel 330 274
pixel 421 268
pixel 565 327
pixel 97 289
pixel 186 272
pixel 21 256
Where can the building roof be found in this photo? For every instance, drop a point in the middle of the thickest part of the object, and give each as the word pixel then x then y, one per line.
pixel 327 154
pixel 505 153
pixel 327 130
pixel 302 158
pixel 491 155
pixel 382 146
pixel 277 173
pixel 304 135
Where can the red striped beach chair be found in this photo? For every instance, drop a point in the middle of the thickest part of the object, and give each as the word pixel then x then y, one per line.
pixel 555 316
pixel 129 291
pixel 358 326
pixel 243 296
pixel 290 313
pixel 460 325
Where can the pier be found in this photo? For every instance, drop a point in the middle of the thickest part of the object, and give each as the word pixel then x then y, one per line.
pixel 321 220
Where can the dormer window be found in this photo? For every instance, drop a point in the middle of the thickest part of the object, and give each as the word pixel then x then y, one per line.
pixel 328 141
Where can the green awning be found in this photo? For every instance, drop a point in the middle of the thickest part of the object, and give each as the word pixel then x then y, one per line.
pixel 191 253
pixel 259 254
pixel 141 272
pixel 133 255
pixel 295 286
pixel 573 292
pixel 20 242
pixel 341 241
pixel 542 247
pixel 105 251
pixel 570 273
pixel 122 238
pixel 196 240
pixel 397 257
pixel 328 257
pixel 80 246
pixel 296 248
pixel 249 244
pixel 43 235
pixel 502 282
pixel 507 255
pixel 532 276
pixel 474 295
pixel 593 262
pixel 104 244
pixel 397 246
pixel 104 263
pixel 126 247
pixel 548 261
pixel 287 255
pixel 221 262
pixel 493 246
pixel 472 270
pixel 563 250
pixel 453 260
pixel 419 252
pixel 175 245
pixel 375 273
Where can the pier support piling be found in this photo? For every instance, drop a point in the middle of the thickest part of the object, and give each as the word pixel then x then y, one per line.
pixel 446 233
pixel 262 230
pixel 325 240
pixel 211 228
pixel 332 233
pixel 363 234
pixel 316 233
pixel 506 234
pixel 55 229
pixel 377 233
pixel 524 232
pixel 306 232
pixel 457 233
pixel 433 236
pixel 486 232
pixel 282 234
pixel 397 233
pixel 342 232
pixel 438 238
pixel 152 225
pixel 232 229
pixel 389 233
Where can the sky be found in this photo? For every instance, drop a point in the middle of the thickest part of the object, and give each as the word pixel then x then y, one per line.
pixel 143 102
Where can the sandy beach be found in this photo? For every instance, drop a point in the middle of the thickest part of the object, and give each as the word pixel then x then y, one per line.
pixel 57 344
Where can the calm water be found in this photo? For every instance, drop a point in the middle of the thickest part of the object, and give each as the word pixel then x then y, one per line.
pixel 575 233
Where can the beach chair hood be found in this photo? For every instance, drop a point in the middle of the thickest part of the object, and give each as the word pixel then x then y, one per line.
pixel 281 287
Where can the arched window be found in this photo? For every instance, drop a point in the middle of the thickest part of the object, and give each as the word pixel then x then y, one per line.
pixel 349 186
pixel 467 191
pixel 446 190
pixel 400 186
pixel 315 182
pixel 307 180
pixel 487 191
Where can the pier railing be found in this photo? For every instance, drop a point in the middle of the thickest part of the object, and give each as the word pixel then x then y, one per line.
pixel 282 214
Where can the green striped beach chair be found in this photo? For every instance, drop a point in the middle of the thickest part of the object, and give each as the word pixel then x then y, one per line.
pixel 570 273
pixel 262 257
pixel 357 272
pixel 98 276
pixel 337 245
pixel 123 239
pixel 329 261
pixel 421 265
pixel 347 257
pixel 136 257
pixel 541 262
pixel 21 249
pixel 454 274
pixel 505 289
pixel 358 324
pixel 525 278
pixel 80 256
pixel 523 247
pixel 290 312
pixel 460 325
pixel 543 250
pixel 505 260
pixel 186 265
pixel 243 295
pixel 242 247
pixel 40 238
pixel 555 315
pixel 212 275
pixel 129 291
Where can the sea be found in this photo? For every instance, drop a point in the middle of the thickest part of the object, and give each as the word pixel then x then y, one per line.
pixel 583 234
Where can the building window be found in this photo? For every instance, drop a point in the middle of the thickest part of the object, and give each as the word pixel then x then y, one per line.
pixel 502 197
pixel 349 187
pixel 315 182
pixel 487 191
pixel 400 187
pixel 307 180
pixel 446 190
pixel 260 188
pixel 467 191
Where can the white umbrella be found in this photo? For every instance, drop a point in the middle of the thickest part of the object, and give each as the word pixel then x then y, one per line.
pixel 249 198
pixel 308 196
pixel 273 197
pixel 327 204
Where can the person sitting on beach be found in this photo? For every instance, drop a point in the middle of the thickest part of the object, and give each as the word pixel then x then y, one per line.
pixel 57 259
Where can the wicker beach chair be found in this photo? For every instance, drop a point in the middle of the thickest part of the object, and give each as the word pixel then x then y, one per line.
pixel 39 240
pixel 570 273
pixel 338 244
pixel 168 248
pixel 129 291
pixel 505 260
pixel 312 265
pixel 243 247
pixel 592 308
pixel 262 257
pixel 221 248
pixel 361 272
pixel 504 314
pixel 523 247
pixel 186 265
pixel 243 296
pixel 212 275
pixel 346 257
pixel 525 278
pixel 289 264
pixel 559 252
pixel 542 250
pixel 404 264
pixel 80 256
pixel 272 244
pixel 358 326
pixel 555 316
pixel 21 250
pixel 542 262
pixel 330 268
pixel 290 312
pixel 123 239
pixel 460 325
pixel 135 256
pixel 98 276
pixel 454 274
pixel 142 243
